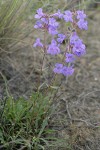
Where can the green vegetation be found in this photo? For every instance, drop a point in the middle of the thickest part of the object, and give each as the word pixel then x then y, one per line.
pixel 24 123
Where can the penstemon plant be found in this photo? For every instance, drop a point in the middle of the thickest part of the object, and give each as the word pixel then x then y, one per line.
pixel 48 23
pixel 25 124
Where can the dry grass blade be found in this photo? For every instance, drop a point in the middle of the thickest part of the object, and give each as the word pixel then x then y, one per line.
pixel 12 15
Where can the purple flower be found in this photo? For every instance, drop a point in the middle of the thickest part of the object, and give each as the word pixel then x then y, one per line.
pixel 58 14
pixel 69 58
pixel 68 17
pixel 82 24
pixel 67 71
pixel 44 20
pixel 81 14
pixel 39 13
pixel 38 43
pixel 38 25
pixel 52 30
pixel 53 22
pixel 53 25
pixel 79 48
pixel 53 48
pixel 73 38
pixel 75 46
pixel 61 37
pixel 58 68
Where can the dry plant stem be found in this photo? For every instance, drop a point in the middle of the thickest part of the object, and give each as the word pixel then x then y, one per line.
pixel 51 82
pixel 55 95
pixel 44 53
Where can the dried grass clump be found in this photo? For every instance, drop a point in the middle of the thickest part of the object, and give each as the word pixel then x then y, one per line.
pixel 12 14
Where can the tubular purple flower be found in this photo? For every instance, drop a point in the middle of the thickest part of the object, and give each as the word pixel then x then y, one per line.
pixel 82 24
pixel 70 58
pixel 58 68
pixel 68 17
pixel 61 37
pixel 81 14
pixel 53 22
pixel 39 13
pixel 38 25
pixel 45 20
pixel 52 30
pixel 38 43
pixel 53 48
pixel 68 71
pixel 74 37
pixel 53 25
pixel 79 48
pixel 58 14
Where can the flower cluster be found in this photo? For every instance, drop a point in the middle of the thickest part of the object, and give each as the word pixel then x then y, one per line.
pixel 75 46
pixel 78 48
pixel 82 23
pixel 61 69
